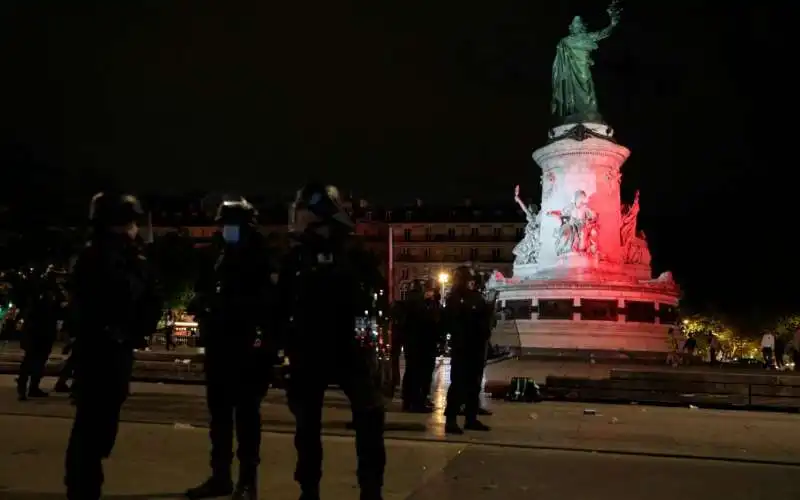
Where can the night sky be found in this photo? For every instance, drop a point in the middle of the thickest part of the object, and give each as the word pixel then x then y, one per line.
pixel 401 100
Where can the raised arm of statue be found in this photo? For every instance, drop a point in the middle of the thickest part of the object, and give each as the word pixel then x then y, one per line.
pixel 614 11
pixel 525 209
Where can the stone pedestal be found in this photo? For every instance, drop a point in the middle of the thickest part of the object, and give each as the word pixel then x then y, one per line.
pixel 586 158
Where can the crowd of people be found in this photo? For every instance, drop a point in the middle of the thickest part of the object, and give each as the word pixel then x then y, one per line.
pixel 308 303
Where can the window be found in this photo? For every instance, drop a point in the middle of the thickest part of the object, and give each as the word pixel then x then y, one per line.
pixel 473 254
pixel 404 274
pixel 495 254
pixel 405 252
pixel 451 232
pixel 640 312
pixel 518 309
pixel 368 216
pixel 403 291
pixel 520 233
pixel 497 232
pixel 428 234
pixel 667 314
pixel 407 234
pixel 388 215
pixel 599 310
pixel 474 232
pixel 427 253
pixel 555 309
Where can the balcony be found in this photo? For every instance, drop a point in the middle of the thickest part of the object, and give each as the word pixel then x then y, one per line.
pixel 451 258
pixel 443 238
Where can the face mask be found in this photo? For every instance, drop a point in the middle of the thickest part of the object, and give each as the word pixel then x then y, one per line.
pixel 230 234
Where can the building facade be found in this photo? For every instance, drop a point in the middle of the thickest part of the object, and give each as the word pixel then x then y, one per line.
pixel 422 242
pixel 427 243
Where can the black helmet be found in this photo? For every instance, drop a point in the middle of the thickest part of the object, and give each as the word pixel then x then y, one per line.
pixel 463 275
pixel 236 211
pixel 108 209
pixel 323 201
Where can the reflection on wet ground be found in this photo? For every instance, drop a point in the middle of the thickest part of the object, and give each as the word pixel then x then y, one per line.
pixel 186 404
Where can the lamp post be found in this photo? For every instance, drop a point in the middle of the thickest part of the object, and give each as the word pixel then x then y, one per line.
pixel 443 278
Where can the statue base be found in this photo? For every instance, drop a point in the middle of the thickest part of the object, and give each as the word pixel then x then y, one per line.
pixel 586 312
pixel 576 118
pixel 577 301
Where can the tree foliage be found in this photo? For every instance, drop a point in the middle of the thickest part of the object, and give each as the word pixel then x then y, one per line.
pixel 175 260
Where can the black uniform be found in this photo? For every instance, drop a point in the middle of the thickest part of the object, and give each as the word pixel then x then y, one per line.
pixel 420 342
pixel 39 336
pixel 469 319
pixel 235 301
pixel 328 282
pixel 114 305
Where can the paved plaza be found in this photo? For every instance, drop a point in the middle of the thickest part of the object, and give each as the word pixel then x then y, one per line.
pixel 155 461
pixel 544 451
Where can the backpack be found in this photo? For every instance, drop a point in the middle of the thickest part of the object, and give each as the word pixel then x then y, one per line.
pixel 523 390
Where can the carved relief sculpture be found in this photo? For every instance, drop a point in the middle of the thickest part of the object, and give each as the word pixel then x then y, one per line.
pixel 527 250
pixel 627 228
pixel 578 230
pixel 634 245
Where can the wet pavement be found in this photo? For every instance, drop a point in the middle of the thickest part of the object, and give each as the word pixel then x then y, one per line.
pixel 160 461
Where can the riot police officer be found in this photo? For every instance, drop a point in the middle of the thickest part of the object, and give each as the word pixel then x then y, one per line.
pixel 469 319
pixel 40 334
pixel 328 282
pixel 420 341
pixel 234 303
pixel 114 305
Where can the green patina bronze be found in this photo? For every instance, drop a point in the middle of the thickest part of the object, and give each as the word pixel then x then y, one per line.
pixel 574 97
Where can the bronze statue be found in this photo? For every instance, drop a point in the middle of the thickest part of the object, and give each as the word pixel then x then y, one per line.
pixel 574 97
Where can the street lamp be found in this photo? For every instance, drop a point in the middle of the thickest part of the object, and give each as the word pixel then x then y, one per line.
pixel 444 278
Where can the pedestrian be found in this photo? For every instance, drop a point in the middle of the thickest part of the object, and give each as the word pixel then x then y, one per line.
pixel 329 282
pixel 113 306
pixel 768 349
pixel 235 303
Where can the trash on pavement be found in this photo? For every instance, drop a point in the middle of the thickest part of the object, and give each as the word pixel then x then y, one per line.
pixel 182 427
pixel 589 411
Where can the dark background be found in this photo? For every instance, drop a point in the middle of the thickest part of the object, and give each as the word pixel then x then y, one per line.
pixel 401 100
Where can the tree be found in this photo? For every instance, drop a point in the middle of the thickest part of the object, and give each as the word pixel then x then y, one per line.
pixel 732 343
pixel 176 263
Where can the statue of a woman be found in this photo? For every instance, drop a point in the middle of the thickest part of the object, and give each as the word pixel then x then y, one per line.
pixel 574 97
pixel 578 230
pixel 527 250
pixel 627 229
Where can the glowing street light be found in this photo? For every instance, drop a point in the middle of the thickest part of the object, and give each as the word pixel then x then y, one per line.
pixel 444 278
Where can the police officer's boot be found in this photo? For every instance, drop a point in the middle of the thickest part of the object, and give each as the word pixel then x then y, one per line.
pixel 309 492
pixel 219 484
pixel 473 424
pixel 451 426
pixel 246 487
pixel 35 391
pixel 22 388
